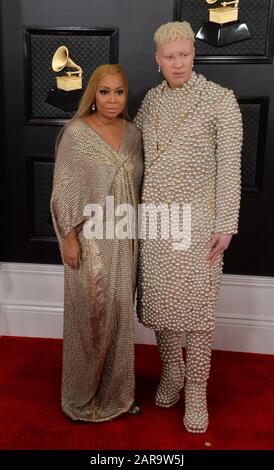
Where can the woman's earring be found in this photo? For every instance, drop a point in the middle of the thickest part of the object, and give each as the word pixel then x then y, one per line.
pixel 93 107
pixel 159 68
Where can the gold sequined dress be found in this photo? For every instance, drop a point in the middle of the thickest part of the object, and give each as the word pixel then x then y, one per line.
pixel 98 352
pixel 192 139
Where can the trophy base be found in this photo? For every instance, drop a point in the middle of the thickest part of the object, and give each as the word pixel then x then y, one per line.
pixel 222 34
pixel 64 100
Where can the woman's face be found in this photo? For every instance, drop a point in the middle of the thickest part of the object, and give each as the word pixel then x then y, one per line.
pixel 110 98
pixel 176 59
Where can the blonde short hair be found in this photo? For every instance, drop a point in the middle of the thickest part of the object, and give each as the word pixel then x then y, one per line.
pixel 172 31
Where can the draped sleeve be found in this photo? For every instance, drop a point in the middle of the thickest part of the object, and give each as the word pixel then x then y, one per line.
pixel 70 189
pixel 228 154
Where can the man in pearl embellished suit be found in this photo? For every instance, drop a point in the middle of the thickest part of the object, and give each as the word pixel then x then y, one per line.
pixel 192 136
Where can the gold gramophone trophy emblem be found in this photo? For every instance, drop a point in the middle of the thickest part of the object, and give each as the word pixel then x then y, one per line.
pixel 223 26
pixel 72 80
pixel 68 89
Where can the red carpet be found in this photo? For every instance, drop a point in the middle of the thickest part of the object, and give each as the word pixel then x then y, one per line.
pixel 241 404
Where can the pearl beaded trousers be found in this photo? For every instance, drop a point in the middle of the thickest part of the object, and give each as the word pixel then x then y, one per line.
pixel 173 367
pixel 196 371
pixel 198 359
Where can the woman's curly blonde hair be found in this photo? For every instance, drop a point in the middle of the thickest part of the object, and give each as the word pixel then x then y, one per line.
pixel 172 31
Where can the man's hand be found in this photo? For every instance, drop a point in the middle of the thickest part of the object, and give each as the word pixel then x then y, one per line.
pixel 72 252
pixel 218 244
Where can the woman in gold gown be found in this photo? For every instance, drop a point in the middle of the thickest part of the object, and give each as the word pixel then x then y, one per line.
pixel 99 161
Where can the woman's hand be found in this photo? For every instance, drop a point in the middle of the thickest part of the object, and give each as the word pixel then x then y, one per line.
pixel 72 251
pixel 218 244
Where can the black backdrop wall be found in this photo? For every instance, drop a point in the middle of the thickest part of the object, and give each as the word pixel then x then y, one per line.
pixel 98 31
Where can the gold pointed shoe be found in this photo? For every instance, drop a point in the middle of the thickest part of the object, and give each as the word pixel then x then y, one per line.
pixel 196 414
pixel 134 409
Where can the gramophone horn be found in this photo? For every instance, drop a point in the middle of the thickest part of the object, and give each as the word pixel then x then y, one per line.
pixel 60 58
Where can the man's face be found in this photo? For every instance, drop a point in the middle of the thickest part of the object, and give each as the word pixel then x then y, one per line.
pixel 176 59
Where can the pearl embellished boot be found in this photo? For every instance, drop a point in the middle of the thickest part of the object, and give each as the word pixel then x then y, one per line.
pixel 173 368
pixel 198 358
